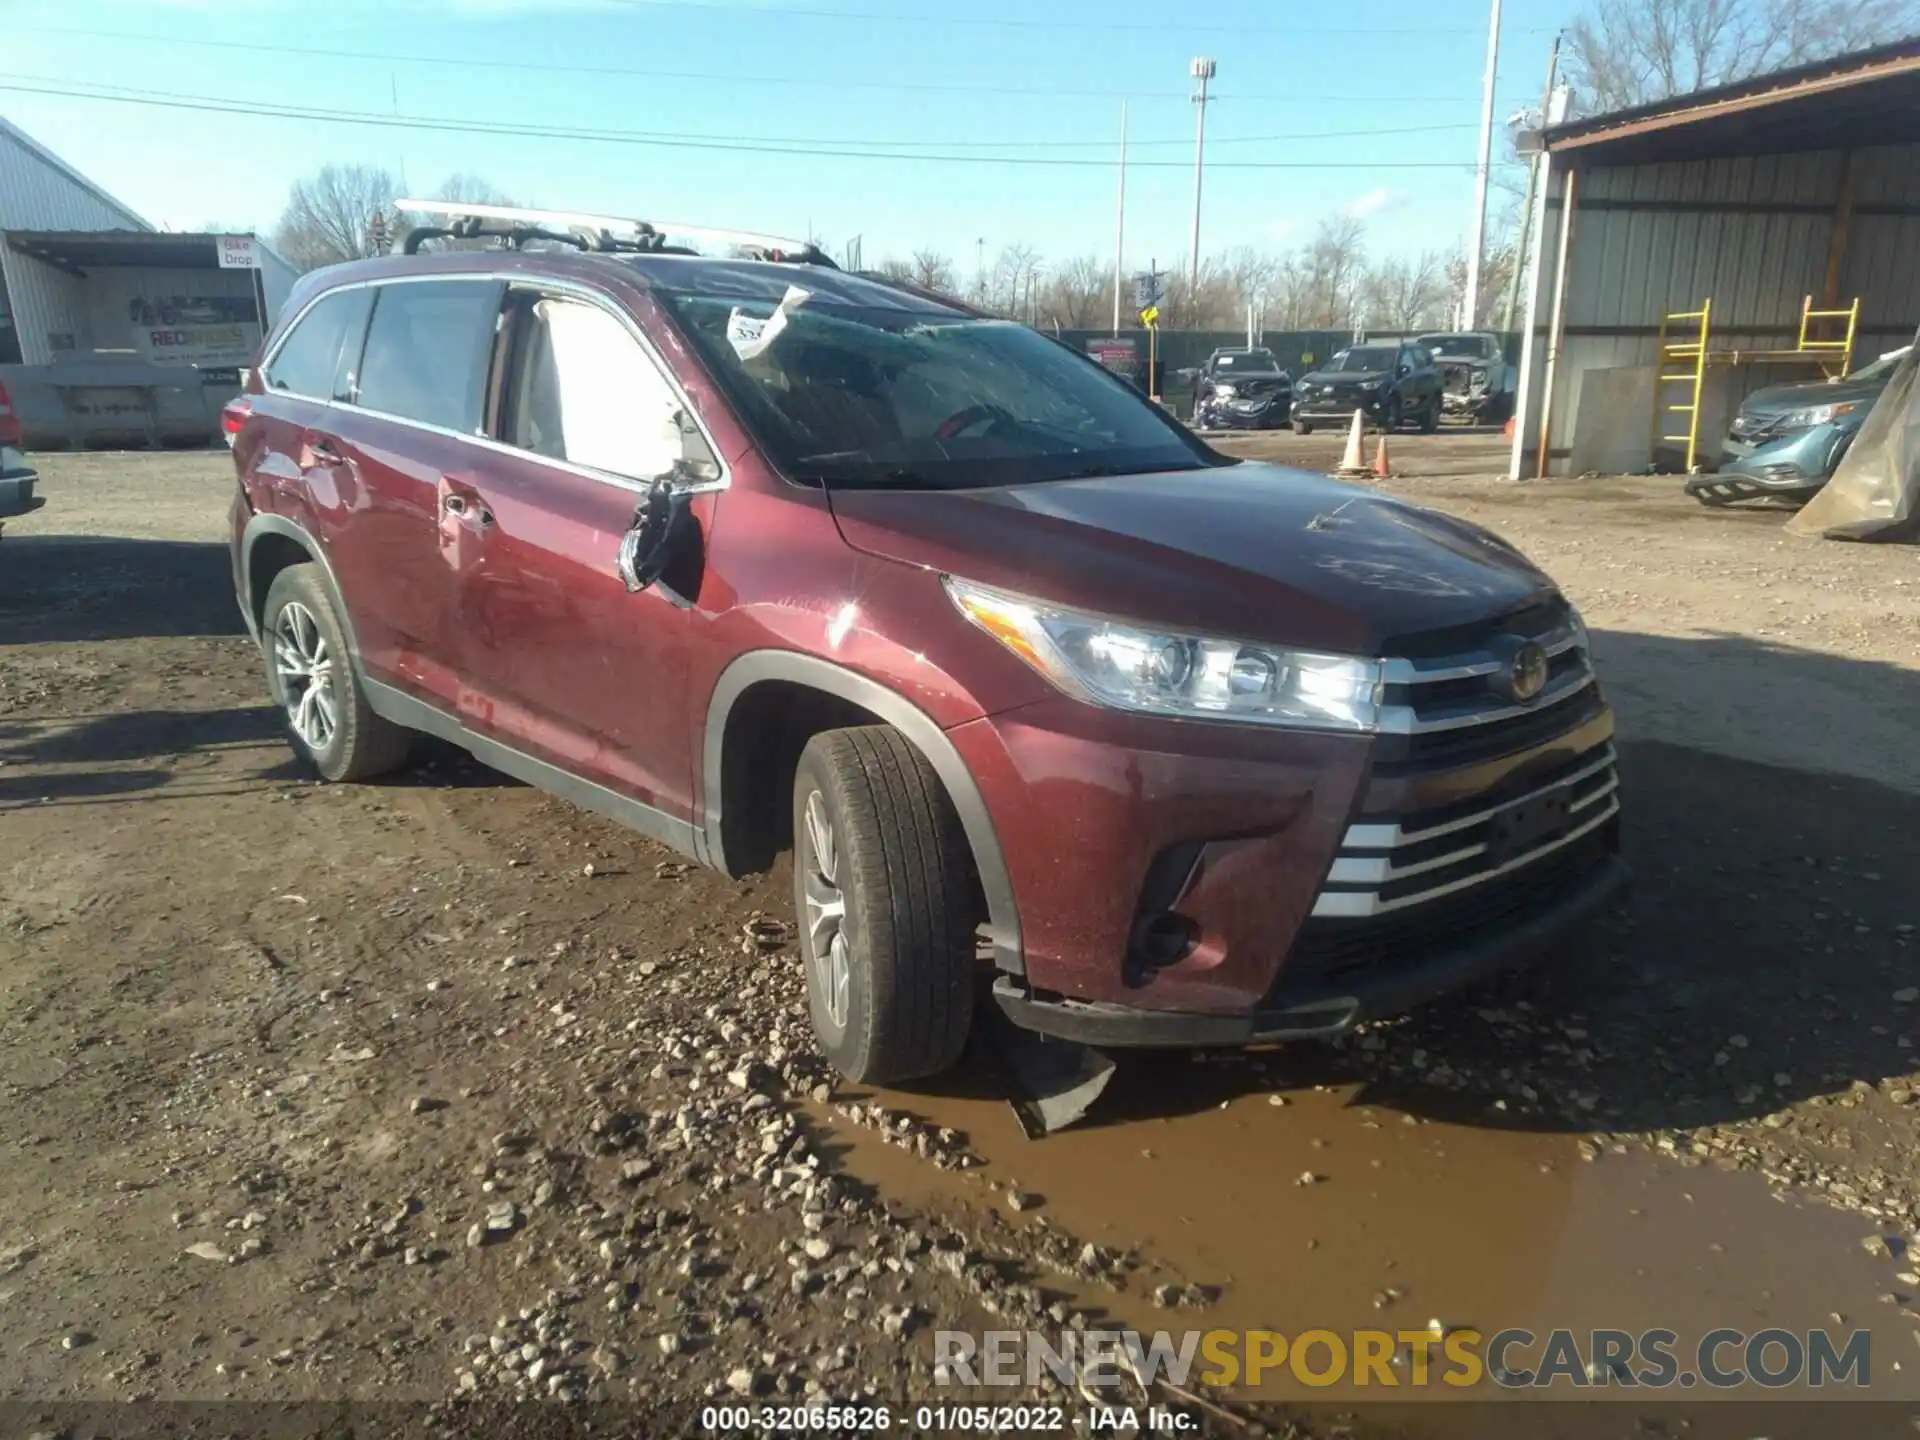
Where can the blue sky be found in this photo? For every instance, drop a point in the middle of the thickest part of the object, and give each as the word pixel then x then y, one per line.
pixel 1000 80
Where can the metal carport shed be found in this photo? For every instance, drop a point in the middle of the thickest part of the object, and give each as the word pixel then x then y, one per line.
pixel 1733 212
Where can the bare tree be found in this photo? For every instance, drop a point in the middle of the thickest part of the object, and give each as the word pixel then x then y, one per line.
pixel 1336 262
pixel 895 269
pixel 1012 281
pixel 473 189
pixel 933 271
pixel 1407 294
pixel 1079 293
pixel 1630 52
pixel 329 217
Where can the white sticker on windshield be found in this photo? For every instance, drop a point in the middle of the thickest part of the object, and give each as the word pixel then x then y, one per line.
pixel 751 337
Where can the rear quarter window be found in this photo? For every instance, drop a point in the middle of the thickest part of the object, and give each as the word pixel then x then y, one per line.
pixel 428 349
pixel 316 358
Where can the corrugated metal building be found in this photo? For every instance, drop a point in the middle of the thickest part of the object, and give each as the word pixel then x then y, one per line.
pixel 111 331
pixel 1754 202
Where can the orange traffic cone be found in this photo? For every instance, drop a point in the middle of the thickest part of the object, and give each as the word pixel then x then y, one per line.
pixel 1382 468
pixel 1351 462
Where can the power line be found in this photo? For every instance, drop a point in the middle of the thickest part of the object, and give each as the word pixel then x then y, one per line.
pixel 130 91
pixel 720 77
pixel 1010 22
pixel 666 140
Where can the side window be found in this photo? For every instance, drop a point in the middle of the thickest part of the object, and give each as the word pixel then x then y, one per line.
pixel 308 361
pixel 584 391
pixel 428 349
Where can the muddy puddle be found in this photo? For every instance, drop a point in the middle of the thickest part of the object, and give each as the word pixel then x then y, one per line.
pixel 1314 1203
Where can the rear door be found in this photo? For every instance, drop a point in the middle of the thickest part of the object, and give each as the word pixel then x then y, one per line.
pixel 417 403
pixel 290 459
pixel 557 657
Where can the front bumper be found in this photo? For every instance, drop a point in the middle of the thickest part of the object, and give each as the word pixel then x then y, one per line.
pixel 1227 415
pixel 1335 407
pixel 1183 883
pixel 1797 464
pixel 1323 1008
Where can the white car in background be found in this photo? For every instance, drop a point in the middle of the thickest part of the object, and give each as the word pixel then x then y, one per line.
pixel 1476 382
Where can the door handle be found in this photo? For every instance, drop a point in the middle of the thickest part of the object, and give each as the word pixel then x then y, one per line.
pixel 324 449
pixel 468 511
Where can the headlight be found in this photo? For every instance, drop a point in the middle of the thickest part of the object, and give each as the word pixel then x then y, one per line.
pixel 1815 415
pixel 1125 667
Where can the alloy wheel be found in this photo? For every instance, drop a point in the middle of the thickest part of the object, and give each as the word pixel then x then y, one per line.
pixel 305 666
pixel 829 966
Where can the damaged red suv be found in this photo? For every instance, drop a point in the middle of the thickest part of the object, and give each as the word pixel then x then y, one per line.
pixel 753 554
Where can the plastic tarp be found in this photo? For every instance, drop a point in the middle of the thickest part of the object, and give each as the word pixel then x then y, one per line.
pixel 1875 492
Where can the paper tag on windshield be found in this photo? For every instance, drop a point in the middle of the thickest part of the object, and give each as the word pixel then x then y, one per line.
pixel 750 337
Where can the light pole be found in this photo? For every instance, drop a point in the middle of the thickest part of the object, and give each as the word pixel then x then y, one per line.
pixel 1120 234
pixel 1478 243
pixel 1202 70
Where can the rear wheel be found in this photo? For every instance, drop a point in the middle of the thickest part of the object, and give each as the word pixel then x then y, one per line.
pixel 310 673
pixel 883 885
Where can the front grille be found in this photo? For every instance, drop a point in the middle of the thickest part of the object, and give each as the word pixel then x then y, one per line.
pixel 1387 866
pixel 1329 947
pixel 1438 878
pixel 1446 704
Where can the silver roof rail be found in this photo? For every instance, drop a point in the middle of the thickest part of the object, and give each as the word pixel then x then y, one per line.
pixel 568 222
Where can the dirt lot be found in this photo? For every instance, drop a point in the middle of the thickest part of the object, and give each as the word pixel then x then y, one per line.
pixel 439 1086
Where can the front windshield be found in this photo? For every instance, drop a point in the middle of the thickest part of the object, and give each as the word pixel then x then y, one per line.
pixel 1883 367
pixel 1245 360
pixel 1473 347
pixel 885 394
pixel 1365 358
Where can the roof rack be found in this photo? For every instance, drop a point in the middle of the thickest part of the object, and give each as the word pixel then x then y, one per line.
pixel 516 226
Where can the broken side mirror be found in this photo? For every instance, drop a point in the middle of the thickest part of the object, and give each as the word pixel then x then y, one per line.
pixel 660 525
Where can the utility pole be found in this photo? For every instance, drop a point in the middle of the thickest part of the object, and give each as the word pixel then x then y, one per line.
pixel 1526 205
pixel 1120 230
pixel 980 269
pixel 1202 70
pixel 1479 229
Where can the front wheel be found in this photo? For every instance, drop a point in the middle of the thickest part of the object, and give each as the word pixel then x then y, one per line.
pixel 1303 427
pixel 1430 418
pixel 883 885
pixel 1390 417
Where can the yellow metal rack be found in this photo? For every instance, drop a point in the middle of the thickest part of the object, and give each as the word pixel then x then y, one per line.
pixel 1825 339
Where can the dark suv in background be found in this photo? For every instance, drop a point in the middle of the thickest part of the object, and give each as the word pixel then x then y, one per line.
pixel 751 554
pixel 1242 390
pixel 1391 384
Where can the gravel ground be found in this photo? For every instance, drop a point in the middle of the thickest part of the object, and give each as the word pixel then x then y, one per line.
pixel 440 1087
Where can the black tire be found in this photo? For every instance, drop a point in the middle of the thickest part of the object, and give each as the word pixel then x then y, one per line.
pixel 904 877
pixel 1390 418
pixel 1430 421
pixel 1303 427
pixel 359 744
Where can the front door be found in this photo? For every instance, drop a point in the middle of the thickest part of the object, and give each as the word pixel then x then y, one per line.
pixel 557 657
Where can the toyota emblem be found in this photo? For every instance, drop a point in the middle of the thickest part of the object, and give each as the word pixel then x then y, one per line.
pixel 1527 673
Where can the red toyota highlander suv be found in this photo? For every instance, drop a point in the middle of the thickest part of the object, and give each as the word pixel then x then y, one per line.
pixel 756 553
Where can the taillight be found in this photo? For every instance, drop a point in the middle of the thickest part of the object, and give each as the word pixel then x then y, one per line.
pixel 233 416
pixel 9 422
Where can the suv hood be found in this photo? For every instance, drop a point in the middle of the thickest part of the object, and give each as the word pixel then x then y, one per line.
pixel 1346 377
pixel 1778 399
pixel 1250 551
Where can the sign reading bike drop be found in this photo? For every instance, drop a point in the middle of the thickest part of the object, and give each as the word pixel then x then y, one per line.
pixel 239 252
